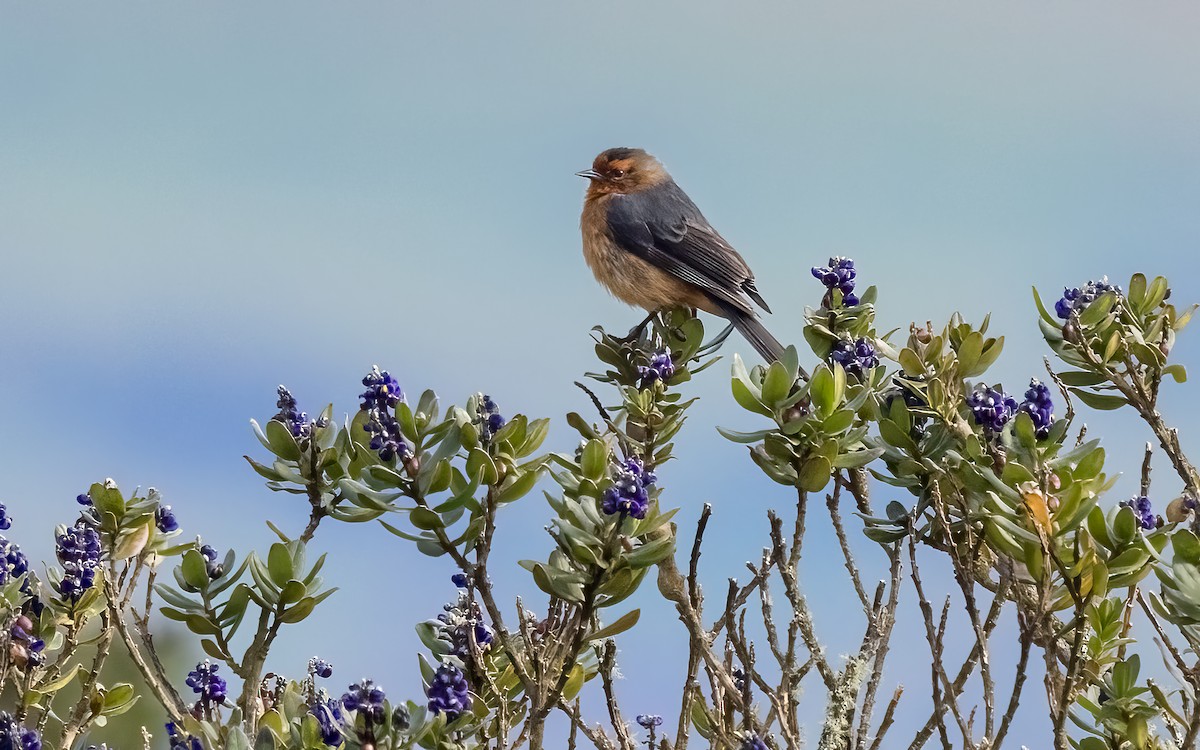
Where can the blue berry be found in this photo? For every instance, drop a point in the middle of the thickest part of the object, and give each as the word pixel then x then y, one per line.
pixel 78 549
pixel 367 699
pixel 839 274
pixel 1143 511
pixel 855 357
pixel 17 736
pixel 449 693
pixel 489 417
pixel 1039 406
pixel 661 367
pixel 992 408
pixel 330 720
pixel 204 681
pixel 383 392
pixel 320 668
pixel 1076 299
pixel 164 519
pixel 290 415
pixel 629 493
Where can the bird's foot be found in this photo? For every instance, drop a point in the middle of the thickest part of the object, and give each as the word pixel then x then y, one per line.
pixel 636 332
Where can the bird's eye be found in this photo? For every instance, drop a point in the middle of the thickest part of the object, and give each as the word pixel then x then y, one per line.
pixel 618 173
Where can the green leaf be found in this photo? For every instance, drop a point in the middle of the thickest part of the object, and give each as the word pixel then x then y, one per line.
pixel 837 422
pixel 815 473
pixel 61 682
pixel 747 400
pixel 534 436
pixel 1098 309
pixel 623 623
pixel 823 390
pixel 107 499
pixel 1090 464
pixel 430 547
pixel 1137 290
pixel 283 443
pixel 1155 294
pixel 554 583
pixel 594 463
pixel 700 719
pixel 894 436
pixel 776 385
pixel 855 459
pixel 279 564
pixel 1024 430
pixel 212 649
pixel 480 466
pixel 1124 527
pixel 426 519
pixel 1186 546
pixel 436 479
pixel 518 487
pixel 1046 316
pixel 881 535
pixel 744 437
pixel 651 552
pixel 969 352
pixel 265 472
pixel 401 533
pixel 194 569
pixel 132 541
pixel 1176 371
pixel 574 683
pixel 293 591
pixel 1101 401
pixel 299 611
pixel 1098 527
pixel 118 698
pixel 201 625
pixel 1081 377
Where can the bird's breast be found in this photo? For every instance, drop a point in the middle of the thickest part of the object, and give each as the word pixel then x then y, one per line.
pixel 629 278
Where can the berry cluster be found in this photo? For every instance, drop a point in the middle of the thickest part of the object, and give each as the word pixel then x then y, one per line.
pixel 839 274
pixel 1076 299
pixel 204 682
pixel 379 401
pixel 448 692
pixel 1143 511
pixel 991 408
pixel 489 417
pixel 661 367
pixel 1039 407
pixel 78 549
pixel 629 493
pixel 856 357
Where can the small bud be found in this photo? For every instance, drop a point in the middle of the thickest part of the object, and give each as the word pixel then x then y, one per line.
pixel 1180 508
pixel 1070 332
pixel 400 718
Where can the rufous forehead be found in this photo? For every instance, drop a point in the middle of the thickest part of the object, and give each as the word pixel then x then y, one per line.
pixel 622 164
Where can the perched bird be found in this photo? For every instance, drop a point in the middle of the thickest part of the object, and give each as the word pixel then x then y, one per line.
pixel 651 247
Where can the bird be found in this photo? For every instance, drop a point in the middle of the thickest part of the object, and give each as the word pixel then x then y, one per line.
pixel 647 242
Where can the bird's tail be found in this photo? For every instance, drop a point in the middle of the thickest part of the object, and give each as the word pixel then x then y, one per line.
pixel 757 334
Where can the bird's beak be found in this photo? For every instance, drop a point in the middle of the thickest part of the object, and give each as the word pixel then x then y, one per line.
pixel 591 174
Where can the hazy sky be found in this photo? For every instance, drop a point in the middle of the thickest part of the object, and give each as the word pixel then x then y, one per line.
pixel 199 201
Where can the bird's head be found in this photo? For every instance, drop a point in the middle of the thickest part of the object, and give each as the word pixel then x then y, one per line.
pixel 624 170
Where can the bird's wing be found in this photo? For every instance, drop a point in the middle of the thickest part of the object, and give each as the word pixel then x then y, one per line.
pixel 663 227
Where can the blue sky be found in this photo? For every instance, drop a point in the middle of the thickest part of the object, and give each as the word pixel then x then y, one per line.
pixel 200 201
